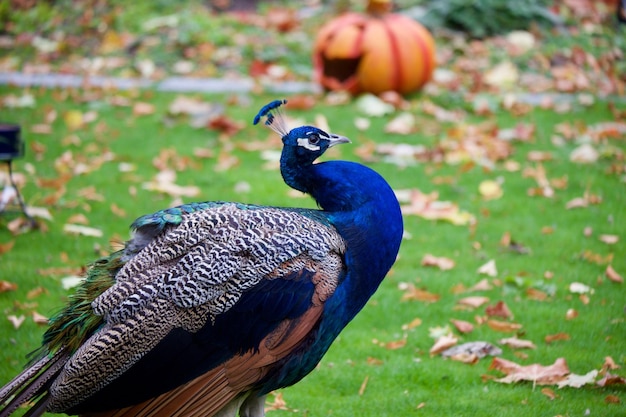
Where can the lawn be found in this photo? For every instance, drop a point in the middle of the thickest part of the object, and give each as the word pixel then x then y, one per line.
pixel 539 189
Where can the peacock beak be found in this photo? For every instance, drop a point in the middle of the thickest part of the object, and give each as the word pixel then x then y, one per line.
pixel 336 140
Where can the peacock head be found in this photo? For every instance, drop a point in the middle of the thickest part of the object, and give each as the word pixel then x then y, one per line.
pixel 305 143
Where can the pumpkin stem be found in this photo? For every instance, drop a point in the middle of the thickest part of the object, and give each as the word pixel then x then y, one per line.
pixel 378 7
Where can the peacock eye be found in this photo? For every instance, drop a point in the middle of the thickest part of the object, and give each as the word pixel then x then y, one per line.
pixel 314 139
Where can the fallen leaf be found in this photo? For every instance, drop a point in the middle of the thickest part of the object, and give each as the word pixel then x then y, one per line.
pixel 473 301
pixel 478 349
pixel 556 337
pixel 363 385
pixel 490 190
pixel 489 269
pixel 143 109
pixel 579 288
pixel 537 374
pixel 16 321
pixel 515 343
pixel 612 275
pixel 5 247
pixel 411 293
pixel 413 324
pixel 482 285
pixel 429 207
pixel 610 379
pixel 577 381
pixel 609 363
pixel 442 344
pixel 7 286
pixel 584 154
pixel 36 292
pixel 548 392
pixel 440 262
pixel 609 239
pixel 503 326
pixel 500 309
pixel 82 230
pixel 40 318
pixel 571 314
pixel 402 124
pixel 462 326
pixel 612 399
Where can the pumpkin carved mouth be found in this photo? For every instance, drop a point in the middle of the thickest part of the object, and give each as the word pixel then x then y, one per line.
pixel 341 69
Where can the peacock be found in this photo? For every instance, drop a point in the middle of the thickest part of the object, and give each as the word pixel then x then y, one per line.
pixel 210 306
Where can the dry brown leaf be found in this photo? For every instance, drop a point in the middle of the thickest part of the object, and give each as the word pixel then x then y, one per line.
pixel 477 349
pixel 537 374
pixel 503 326
pixel 500 309
pixel 473 302
pixel 556 337
pixel 610 379
pixel 443 343
pixel 7 286
pixel 490 190
pixel 143 109
pixel 429 207
pixel 549 392
pixel 515 343
pixel 571 314
pixel 609 363
pixel 413 324
pixel 415 294
pixel 395 344
pixel 78 218
pixel 612 275
pixel 364 385
pixel 36 292
pixel 462 326
pixel 374 361
pixel 440 262
pixel 5 247
pixel 612 399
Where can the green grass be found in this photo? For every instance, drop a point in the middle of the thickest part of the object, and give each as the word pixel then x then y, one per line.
pixel 399 380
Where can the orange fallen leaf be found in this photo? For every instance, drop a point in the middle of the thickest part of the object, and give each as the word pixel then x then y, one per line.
pixel 411 293
pixel 555 337
pixel 612 275
pixel 503 326
pixel 5 247
pixel 36 292
pixel 549 392
pixel 7 286
pixel 413 324
pixel 571 314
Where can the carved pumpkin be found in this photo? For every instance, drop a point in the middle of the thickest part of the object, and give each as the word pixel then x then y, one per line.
pixel 374 52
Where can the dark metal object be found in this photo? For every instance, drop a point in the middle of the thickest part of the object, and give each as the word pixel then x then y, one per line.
pixel 11 147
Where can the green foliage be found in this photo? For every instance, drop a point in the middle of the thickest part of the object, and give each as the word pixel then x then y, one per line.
pixel 481 18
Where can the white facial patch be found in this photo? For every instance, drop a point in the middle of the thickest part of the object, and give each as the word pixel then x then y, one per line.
pixel 304 142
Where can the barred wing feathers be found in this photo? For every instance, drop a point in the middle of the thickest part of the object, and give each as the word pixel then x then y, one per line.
pixel 175 306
